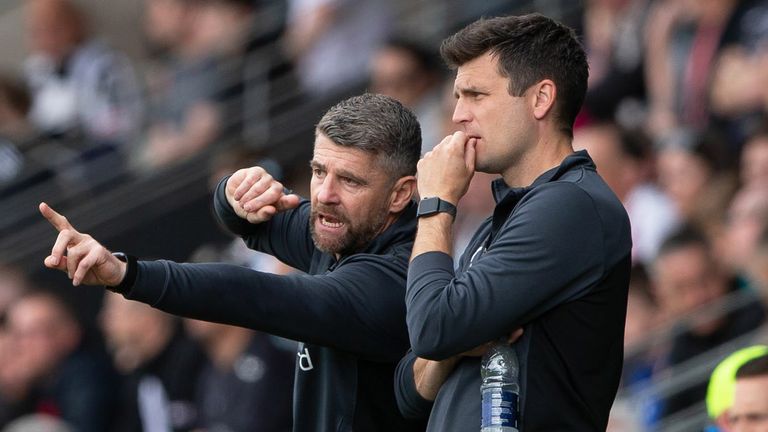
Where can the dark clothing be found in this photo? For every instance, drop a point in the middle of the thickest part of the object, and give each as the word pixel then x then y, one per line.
pixel 349 313
pixel 554 259
pixel 80 392
pixel 254 395
pixel 161 392
pixel 688 345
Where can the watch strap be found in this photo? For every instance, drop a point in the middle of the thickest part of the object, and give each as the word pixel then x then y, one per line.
pixel 131 271
pixel 429 206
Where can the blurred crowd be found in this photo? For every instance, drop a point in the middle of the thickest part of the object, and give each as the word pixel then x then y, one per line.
pixel 675 118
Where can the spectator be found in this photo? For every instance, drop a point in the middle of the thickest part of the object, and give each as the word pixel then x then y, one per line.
pixel 66 377
pixel 754 158
pixel 694 170
pixel 747 219
pixel 24 157
pixel 160 367
pixel 687 279
pixel 614 44
pixel 738 70
pixel 723 380
pixel 246 384
pixel 757 268
pixel 80 87
pixel 164 26
pixel 750 397
pixel 408 72
pixel 13 387
pixel 624 161
pixel 683 39
pixel 332 42
pixel 217 85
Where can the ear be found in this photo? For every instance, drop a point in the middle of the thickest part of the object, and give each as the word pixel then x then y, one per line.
pixel 401 194
pixel 544 96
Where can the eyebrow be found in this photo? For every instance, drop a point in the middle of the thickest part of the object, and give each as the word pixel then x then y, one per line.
pixel 469 90
pixel 339 172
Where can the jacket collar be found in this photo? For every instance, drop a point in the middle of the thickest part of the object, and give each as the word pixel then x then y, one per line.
pixel 507 197
pixel 574 160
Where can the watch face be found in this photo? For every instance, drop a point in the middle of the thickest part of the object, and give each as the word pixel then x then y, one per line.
pixel 428 206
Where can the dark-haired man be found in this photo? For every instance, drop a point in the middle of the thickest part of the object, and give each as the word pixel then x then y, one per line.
pixel 749 412
pixel 554 258
pixel 353 239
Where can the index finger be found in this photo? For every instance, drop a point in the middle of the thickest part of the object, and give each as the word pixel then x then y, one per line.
pixel 58 221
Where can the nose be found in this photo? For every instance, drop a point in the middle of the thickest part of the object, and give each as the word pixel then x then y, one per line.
pixel 326 191
pixel 460 113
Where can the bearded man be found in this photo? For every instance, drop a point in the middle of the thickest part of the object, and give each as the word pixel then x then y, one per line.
pixel 352 239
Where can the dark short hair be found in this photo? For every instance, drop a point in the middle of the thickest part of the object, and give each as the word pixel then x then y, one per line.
pixel 529 48
pixel 684 237
pixel 379 125
pixel 758 366
pixel 425 56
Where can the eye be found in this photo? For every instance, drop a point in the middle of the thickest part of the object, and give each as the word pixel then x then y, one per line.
pixel 317 172
pixel 350 181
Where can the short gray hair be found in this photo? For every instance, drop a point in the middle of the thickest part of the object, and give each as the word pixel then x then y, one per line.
pixel 379 125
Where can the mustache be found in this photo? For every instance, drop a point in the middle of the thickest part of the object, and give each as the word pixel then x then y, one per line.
pixel 332 211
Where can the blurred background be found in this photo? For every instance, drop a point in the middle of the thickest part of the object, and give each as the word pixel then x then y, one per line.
pixel 124 115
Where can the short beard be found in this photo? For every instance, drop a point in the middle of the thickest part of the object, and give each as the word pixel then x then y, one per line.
pixel 355 239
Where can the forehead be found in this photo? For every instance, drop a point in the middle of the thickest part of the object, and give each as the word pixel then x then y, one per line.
pixel 334 157
pixel 751 393
pixel 682 261
pixel 482 71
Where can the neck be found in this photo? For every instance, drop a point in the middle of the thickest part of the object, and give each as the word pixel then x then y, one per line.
pixel 543 156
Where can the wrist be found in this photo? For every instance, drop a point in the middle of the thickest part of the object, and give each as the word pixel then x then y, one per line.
pixel 430 206
pixel 129 270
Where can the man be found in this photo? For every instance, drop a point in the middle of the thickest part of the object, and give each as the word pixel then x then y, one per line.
pixel 65 375
pixel 687 281
pixel 353 239
pixel 553 259
pixel 244 387
pixel 749 411
pixel 81 88
pixel 160 366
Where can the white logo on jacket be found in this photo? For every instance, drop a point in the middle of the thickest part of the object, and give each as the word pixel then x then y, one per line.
pixel 305 361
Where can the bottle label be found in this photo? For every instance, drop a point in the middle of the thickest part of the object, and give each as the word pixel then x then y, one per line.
pixel 500 408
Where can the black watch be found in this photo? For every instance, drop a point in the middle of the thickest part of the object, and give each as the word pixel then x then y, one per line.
pixel 131 270
pixel 433 205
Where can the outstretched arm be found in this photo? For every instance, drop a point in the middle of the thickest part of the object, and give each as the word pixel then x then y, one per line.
pixel 357 308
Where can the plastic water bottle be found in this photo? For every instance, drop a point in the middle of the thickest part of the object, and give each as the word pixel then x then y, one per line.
pixel 500 389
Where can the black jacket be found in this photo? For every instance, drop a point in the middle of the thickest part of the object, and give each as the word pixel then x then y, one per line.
pixel 349 313
pixel 554 259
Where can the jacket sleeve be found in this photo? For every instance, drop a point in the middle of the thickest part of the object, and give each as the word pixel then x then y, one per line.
pixel 409 401
pixel 357 308
pixel 286 236
pixel 549 253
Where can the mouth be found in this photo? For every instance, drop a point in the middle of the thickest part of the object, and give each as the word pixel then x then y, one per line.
pixel 329 221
